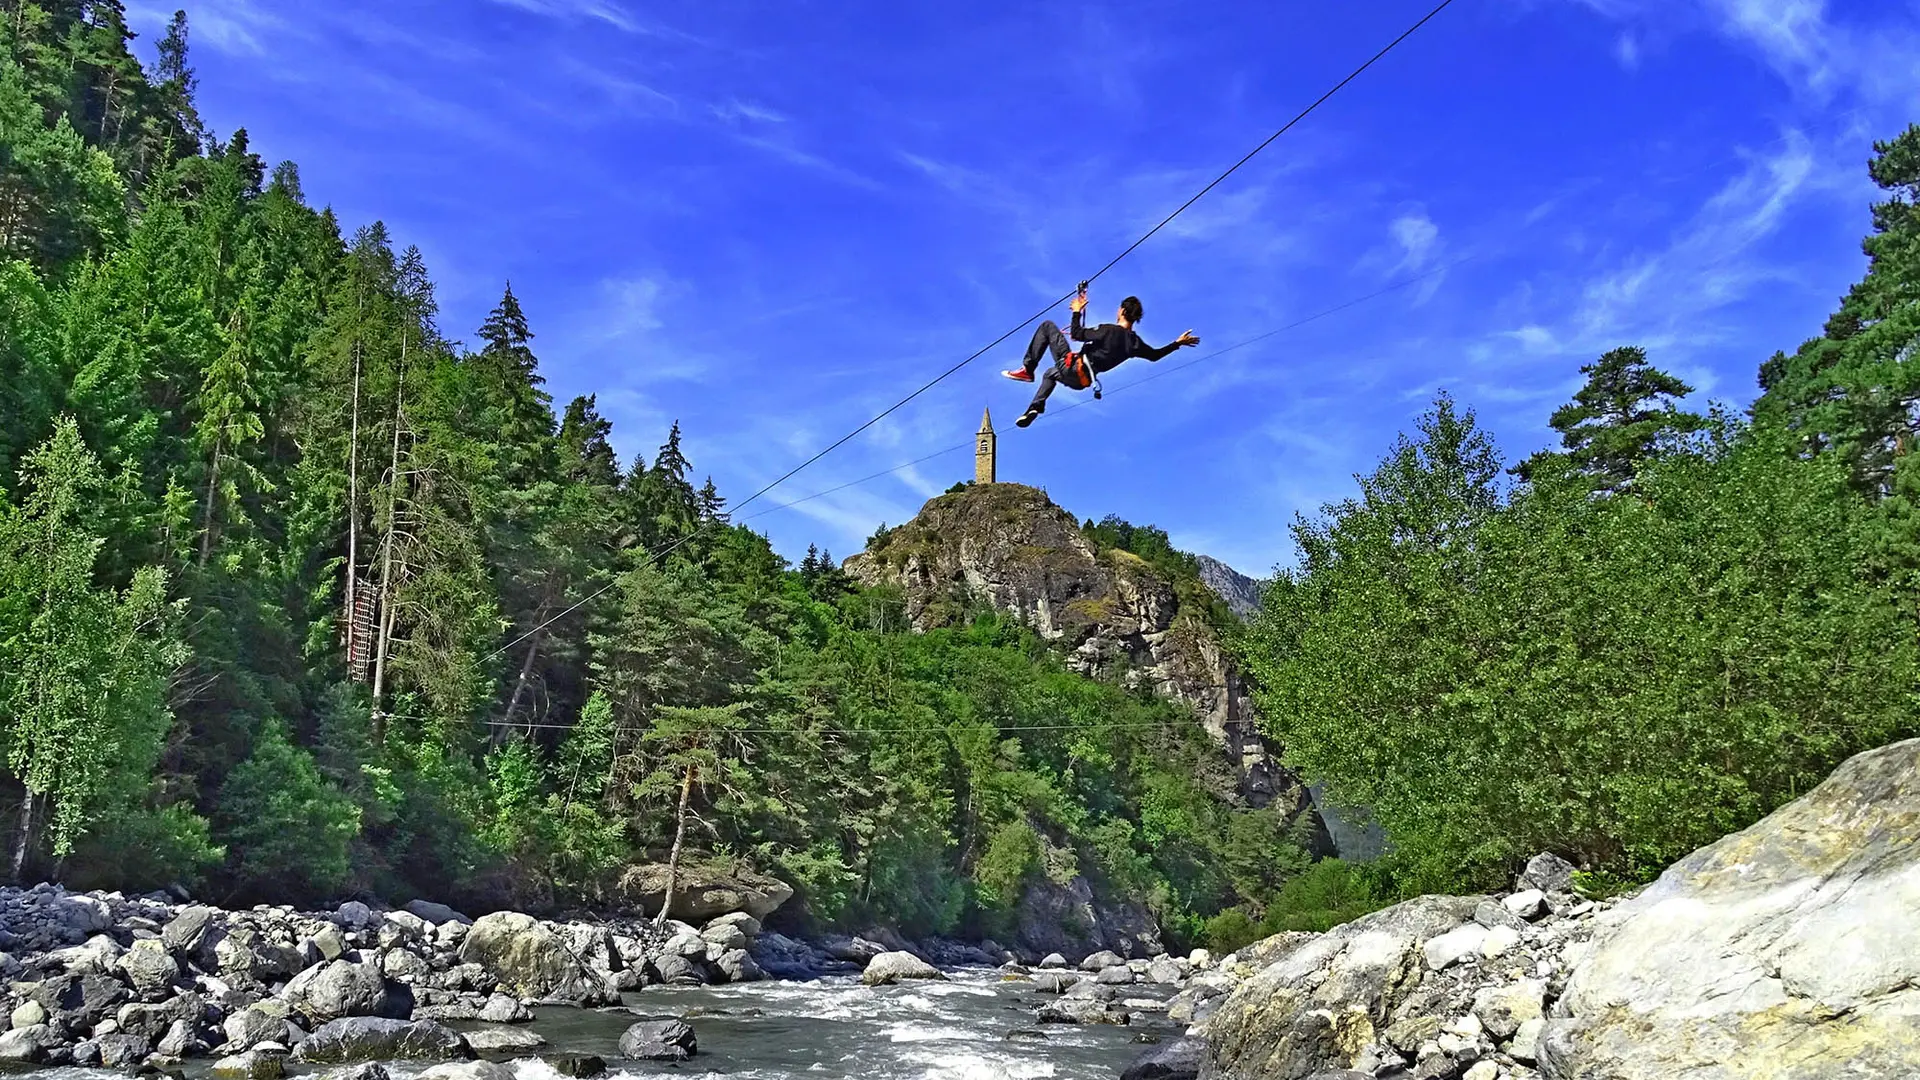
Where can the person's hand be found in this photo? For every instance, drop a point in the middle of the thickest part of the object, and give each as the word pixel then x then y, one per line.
pixel 1187 339
pixel 1078 303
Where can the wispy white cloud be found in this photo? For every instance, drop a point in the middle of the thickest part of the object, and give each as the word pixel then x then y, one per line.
pixel 601 10
pixel 1418 238
pixel 1626 49
pixel 237 27
pixel 734 110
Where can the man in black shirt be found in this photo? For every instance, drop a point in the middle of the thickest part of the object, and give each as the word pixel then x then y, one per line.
pixel 1107 345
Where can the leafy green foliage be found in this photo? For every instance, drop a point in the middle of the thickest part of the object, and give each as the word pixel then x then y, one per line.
pixel 283 823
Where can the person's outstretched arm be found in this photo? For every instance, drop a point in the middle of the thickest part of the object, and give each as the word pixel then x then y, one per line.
pixel 1078 330
pixel 1180 342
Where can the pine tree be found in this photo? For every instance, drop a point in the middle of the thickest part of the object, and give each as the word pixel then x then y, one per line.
pixel 1617 420
pixel 1855 389
pixel 711 504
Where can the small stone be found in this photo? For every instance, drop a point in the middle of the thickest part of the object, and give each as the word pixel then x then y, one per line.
pixel 1467 1026
pixel 1498 941
pixel 1454 946
pixel 1526 1042
pixel 1408 1034
pixel 353 914
pixel 29 1013
pixel 1526 904
pixel 1492 915
pixel 1201 959
pixel 1482 1070
pixel 1504 1009
pixel 583 1066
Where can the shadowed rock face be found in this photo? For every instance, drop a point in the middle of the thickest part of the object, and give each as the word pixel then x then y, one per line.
pixel 1110 612
pixel 1787 951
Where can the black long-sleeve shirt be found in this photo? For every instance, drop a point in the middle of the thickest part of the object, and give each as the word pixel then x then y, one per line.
pixel 1110 343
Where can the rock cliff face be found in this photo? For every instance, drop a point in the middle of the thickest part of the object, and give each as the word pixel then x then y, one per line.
pixel 1109 611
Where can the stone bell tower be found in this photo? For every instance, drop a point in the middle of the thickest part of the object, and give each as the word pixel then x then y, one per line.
pixel 984 446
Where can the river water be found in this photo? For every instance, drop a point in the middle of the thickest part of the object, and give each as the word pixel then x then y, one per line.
pixel 973 1027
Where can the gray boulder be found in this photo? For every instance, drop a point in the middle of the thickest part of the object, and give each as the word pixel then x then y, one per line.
pixel 737 966
pixel 366 1038
pixel 435 913
pixel 1072 1010
pixel 676 970
pixel 583 1066
pixel 740 920
pixel 1548 873
pixel 701 894
pixel 338 989
pixel 181 1040
pixel 1054 981
pixel 891 967
pixel 152 1020
pixel 121 1051
pixel 1101 961
pixel 79 1000
pixel 1053 960
pixel 726 936
pixel 263 1021
pixel 1787 950
pixel 366 1070
pixel 34 1043
pixel 187 930
pixel 252 1065
pixel 28 1013
pixel 533 961
pixel 502 1009
pixel 1176 1060
pixel 1321 999
pixel 149 968
pixel 659 1040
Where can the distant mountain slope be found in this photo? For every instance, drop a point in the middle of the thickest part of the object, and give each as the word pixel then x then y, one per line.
pixel 1241 593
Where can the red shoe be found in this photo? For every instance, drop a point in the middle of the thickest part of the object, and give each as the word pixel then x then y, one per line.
pixel 1019 375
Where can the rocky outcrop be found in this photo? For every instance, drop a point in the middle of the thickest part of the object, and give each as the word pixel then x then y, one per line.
pixel 701 894
pixel 1239 592
pixel 1073 920
pixel 1009 546
pixel 1788 951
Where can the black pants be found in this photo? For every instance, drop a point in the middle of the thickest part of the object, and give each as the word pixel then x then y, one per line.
pixel 1046 338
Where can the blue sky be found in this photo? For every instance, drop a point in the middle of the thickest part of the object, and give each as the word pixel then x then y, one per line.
pixel 771 220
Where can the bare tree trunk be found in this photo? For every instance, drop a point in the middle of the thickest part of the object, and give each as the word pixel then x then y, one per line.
pixel 23 843
pixel 354 645
pixel 673 856
pixel 213 486
pixel 386 555
pixel 519 686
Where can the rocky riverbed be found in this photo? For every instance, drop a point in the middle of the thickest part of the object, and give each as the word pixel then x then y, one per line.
pixel 104 981
pixel 1787 951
